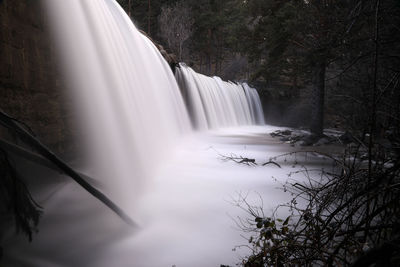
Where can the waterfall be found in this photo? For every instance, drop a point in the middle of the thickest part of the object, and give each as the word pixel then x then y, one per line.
pixel 253 99
pixel 132 114
pixel 214 103
pixel 130 105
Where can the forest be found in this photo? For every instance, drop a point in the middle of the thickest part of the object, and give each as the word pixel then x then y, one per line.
pixel 315 64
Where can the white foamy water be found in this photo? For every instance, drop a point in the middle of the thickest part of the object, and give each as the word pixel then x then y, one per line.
pixel 129 102
pixel 214 103
pixel 142 152
pixel 254 101
pixel 187 218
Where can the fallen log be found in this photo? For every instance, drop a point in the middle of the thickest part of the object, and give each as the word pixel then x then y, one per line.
pixel 37 159
pixel 25 136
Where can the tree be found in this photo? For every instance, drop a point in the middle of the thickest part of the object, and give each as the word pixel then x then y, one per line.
pixel 216 32
pixel 145 14
pixel 295 40
pixel 175 23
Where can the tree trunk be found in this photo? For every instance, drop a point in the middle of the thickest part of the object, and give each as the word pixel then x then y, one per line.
pixel 210 47
pixel 149 18
pixel 208 64
pixel 216 63
pixel 317 98
pixel 180 50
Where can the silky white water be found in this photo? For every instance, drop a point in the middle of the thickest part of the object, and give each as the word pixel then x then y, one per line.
pixel 256 109
pixel 129 103
pixel 214 103
pixel 185 218
pixel 141 150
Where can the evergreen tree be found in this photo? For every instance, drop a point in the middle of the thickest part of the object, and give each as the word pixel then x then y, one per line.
pixel 296 41
pixel 217 31
pixel 145 14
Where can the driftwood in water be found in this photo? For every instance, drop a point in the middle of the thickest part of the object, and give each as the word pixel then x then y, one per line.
pixel 244 160
pixel 240 159
pixel 272 162
pixel 33 142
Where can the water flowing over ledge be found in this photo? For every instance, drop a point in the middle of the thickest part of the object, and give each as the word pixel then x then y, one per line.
pixel 134 116
pixel 130 105
pixel 214 103
pixel 131 108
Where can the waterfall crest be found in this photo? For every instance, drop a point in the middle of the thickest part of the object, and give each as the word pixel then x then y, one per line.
pixel 214 103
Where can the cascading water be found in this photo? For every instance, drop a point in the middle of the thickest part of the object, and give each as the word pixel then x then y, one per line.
pixel 133 115
pixel 214 103
pixel 130 104
pixel 256 109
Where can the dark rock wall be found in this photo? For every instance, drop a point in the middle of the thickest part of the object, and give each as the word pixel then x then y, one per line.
pixel 30 88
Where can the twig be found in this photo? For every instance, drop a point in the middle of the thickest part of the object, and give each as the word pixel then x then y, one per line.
pixel 271 162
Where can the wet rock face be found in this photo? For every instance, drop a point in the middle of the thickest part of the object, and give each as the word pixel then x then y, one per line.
pixel 30 87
